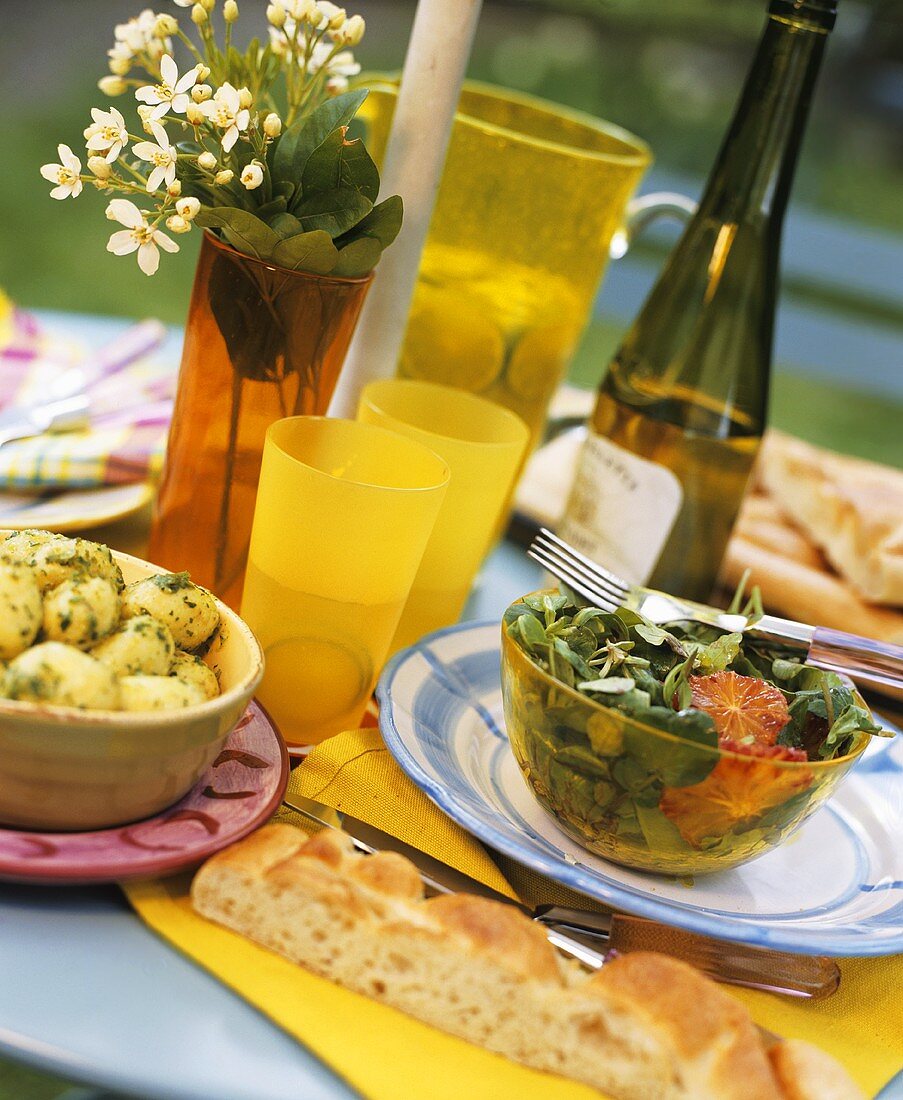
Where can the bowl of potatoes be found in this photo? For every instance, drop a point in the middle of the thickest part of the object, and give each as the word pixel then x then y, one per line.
pixel 119 683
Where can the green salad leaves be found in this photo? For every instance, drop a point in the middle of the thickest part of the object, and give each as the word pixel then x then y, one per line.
pixel 743 722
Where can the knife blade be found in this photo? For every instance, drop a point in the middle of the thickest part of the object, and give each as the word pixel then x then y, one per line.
pixel 62 414
pixel 588 935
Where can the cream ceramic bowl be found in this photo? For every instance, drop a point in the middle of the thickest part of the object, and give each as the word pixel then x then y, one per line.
pixel 67 769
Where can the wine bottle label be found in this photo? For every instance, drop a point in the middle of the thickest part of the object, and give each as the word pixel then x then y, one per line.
pixel 621 509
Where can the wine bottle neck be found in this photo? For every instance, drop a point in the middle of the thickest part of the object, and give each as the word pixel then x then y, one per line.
pixel 754 169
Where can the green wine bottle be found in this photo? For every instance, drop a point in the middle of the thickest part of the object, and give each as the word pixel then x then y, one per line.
pixel 681 411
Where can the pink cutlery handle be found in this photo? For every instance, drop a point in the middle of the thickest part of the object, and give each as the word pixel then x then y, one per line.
pixel 872 664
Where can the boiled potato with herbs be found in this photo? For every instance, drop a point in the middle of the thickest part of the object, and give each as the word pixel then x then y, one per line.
pixel 141 646
pixel 62 675
pixel 60 559
pixel 81 611
pixel 20 609
pixel 190 612
pixel 20 546
pixel 158 693
pixel 191 670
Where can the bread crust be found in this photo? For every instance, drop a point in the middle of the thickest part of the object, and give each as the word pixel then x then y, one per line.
pixel 644 1027
pixel 850 508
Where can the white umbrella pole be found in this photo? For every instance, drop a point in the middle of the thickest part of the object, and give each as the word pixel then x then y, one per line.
pixel 434 69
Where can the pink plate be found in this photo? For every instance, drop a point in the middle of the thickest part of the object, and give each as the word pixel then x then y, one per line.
pixel 239 791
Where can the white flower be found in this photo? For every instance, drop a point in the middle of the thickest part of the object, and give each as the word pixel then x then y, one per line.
pixel 194 115
pixel 188 208
pixel 332 16
pixel 252 175
pixel 100 167
pixel 350 33
pixel 171 94
pixel 207 161
pixel 224 177
pixel 342 65
pixel 137 236
pixel 162 156
pixel 65 175
pixel 272 125
pixel 227 114
pixel 298 9
pixel 177 223
pixel 111 85
pixel 174 189
pixel 134 38
pixel 184 3
pixel 276 14
pixel 107 134
pixel 200 92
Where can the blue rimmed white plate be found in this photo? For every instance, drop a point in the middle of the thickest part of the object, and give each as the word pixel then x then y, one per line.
pixel 835 888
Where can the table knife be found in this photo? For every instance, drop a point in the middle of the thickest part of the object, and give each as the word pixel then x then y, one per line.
pixel 61 414
pixel 589 936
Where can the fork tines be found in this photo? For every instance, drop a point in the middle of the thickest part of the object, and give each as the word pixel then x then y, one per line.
pixel 584 576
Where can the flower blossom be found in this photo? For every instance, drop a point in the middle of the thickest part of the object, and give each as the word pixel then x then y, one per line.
pixel 338 68
pixel 137 236
pixel 252 175
pixel 171 94
pixel 162 156
pixel 65 175
pixel 134 38
pixel 107 134
pixel 227 114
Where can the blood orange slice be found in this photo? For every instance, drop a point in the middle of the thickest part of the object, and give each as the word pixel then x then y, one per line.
pixel 735 794
pixel 741 706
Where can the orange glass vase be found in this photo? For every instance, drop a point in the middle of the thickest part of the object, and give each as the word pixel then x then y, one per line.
pixel 261 343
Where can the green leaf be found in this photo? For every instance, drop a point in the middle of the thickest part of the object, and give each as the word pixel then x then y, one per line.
pixel 717 656
pixel 285 225
pixel 530 632
pixel 338 163
pixel 677 763
pixel 383 222
pixel 312 252
pixel 335 212
pixel 242 229
pixel 358 258
pixel 298 142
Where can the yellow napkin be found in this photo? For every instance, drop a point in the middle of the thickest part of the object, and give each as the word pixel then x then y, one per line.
pixel 386 1055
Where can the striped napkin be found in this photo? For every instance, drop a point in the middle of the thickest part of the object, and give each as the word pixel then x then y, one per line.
pixel 130 389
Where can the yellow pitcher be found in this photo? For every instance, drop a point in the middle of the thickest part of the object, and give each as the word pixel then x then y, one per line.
pixel 530 199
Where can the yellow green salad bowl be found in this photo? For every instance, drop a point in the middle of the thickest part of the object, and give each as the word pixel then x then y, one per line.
pixel 645 797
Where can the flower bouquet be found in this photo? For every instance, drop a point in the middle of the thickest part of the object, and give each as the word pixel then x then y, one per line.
pixel 252 146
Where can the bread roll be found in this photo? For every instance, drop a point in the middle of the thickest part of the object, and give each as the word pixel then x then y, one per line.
pixel 809 595
pixel 761 521
pixel 851 508
pixel 644 1027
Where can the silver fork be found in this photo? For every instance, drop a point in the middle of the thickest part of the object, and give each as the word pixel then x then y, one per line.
pixel 872 664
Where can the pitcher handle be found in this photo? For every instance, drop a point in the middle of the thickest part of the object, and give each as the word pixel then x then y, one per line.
pixel 645 211
pixel 574 406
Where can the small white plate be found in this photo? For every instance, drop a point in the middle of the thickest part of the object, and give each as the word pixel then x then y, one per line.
pixel 73 509
pixel 835 888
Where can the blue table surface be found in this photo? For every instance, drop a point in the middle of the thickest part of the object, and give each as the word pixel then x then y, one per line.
pixel 88 993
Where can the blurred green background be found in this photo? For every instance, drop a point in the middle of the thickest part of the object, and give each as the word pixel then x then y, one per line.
pixel 669 70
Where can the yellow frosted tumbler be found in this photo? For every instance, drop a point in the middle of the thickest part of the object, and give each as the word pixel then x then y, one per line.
pixel 344 511
pixel 483 445
pixel 530 198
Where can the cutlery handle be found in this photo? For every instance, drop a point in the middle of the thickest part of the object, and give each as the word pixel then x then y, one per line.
pixel 877 665
pixel 809 976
